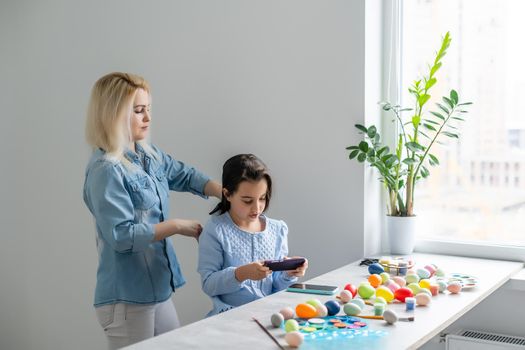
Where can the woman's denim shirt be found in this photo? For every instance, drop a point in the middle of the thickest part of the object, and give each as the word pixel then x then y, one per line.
pixel 126 204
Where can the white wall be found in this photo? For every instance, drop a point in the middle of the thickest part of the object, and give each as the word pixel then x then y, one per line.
pixel 281 79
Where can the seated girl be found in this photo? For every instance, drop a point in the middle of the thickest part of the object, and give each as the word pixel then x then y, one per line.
pixel 235 242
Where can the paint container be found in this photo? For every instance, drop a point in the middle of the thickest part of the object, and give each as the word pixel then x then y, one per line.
pixel 379 308
pixel 434 289
pixel 410 303
pixel 403 267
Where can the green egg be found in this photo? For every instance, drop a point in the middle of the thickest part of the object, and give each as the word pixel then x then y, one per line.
pixel 384 277
pixel 366 291
pixel 291 325
pixel 412 278
pixel 351 309
pixel 414 287
pixel 315 303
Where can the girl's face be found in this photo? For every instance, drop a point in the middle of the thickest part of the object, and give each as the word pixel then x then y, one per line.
pixel 248 202
pixel 140 116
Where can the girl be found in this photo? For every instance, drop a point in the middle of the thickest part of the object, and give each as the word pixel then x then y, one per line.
pixel 235 243
pixel 126 188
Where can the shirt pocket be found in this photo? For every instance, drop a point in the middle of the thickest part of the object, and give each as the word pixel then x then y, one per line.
pixel 143 194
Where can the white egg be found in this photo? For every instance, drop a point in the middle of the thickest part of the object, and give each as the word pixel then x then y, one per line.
pixel 294 339
pixel 390 316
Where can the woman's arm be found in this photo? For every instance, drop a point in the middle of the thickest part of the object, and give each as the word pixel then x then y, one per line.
pixel 213 188
pixel 190 228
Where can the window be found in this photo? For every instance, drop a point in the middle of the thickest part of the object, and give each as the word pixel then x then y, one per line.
pixel 477 192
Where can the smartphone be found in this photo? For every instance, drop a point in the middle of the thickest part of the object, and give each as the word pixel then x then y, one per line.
pixel 312 288
pixel 285 264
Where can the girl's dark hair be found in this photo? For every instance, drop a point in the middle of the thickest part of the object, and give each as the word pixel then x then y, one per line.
pixel 239 168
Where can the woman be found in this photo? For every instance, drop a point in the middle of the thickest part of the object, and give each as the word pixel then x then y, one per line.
pixel 126 189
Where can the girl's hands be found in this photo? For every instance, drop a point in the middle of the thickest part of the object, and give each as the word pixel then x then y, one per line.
pixel 254 271
pixel 301 270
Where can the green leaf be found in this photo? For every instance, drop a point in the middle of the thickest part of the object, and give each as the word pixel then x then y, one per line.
pixel 430 83
pixel 384 149
pixel 409 161
pixel 458 118
pixel 352 147
pixel 443 108
pixel 464 104
pixel 363 146
pixel 424 172
pixel 434 158
pixel 361 127
pixel 416 120
pixel 429 127
pixel 438 115
pixel 432 122
pixel 425 135
pixel 372 131
pixel 353 154
pixel 414 147
pixel 423 99
pixel 361 157
pixel 376 139
pixel 448 101
pixel 450 134
pixel 454 96
pixel 371 152
pixel 435 69
pixel 392 159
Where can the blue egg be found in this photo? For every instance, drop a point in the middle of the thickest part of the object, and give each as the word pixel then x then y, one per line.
pixel 375 268
pixel 333 307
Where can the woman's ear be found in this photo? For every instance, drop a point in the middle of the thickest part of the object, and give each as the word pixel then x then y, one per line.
pixel 225 194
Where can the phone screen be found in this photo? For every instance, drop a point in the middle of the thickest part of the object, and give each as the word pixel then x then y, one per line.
pixel 306 286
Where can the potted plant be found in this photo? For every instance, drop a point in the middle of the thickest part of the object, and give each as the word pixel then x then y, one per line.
pixel 409 162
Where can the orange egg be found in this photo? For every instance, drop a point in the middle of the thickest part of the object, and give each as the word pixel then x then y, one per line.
pixel 375 280
pixel 305 311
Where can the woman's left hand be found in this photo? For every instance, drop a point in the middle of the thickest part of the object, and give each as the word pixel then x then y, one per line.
pixel 301 270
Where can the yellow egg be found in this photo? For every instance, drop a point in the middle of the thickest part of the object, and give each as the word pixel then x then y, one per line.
pixel 424 283
pixel 385 293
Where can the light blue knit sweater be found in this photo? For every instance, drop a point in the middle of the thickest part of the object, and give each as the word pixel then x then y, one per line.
pixel 223 246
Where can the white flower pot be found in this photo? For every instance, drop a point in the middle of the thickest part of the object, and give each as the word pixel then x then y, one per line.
pixel 401 232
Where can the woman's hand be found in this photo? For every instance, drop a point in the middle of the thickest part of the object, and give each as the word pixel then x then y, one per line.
pixel 190 228
pixel 301 270
pixel 254 271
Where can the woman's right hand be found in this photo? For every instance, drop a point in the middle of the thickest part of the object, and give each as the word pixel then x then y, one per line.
pixel 254 271
pixel 190 228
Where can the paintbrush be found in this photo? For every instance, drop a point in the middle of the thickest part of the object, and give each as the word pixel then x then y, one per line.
pixel 268 332
pixel 373 317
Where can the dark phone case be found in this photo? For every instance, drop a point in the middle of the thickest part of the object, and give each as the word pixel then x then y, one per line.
pixel 284 265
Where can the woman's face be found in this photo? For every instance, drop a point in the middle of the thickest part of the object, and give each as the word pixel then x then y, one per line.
pixel 140 116
pixel 248 202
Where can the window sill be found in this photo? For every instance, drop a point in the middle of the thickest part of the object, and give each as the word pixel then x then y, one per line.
pixel 470 249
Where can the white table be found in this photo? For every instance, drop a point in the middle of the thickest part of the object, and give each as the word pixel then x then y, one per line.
pixel 236 330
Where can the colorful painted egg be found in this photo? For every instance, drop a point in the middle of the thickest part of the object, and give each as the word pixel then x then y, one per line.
pixel 305 311
pixel 291 325
pixel 412 278
pixel 314 302
pixel 425 283
pixel 366 291
pixel 423 299
pixel 423 273
pixel 414 287
pixel 375 268
pixel 400 281
pixel 384 277
pixel 277 319
pixel 345 296
pixel 454 287
pixel 352 289
pixel 390 316
pixel 402 293
pixel 294 339
pixel 375 280
pixel 322 311
pixel 442 286
pixel 440 273
pixel 393 286
pixel 287 313
pixel 385 293
pixel 351 309
pixel 431 269
pixel 333 307
pixel 358 302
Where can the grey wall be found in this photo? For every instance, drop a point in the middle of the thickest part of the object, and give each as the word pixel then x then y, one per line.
pixel 281 79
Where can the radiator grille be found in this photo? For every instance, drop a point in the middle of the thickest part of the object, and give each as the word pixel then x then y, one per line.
pixel 507 339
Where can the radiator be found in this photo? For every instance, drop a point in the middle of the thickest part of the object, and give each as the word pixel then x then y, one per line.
pixel 478 340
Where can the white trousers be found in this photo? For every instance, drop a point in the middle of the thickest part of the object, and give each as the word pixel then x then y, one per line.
pixel 126 324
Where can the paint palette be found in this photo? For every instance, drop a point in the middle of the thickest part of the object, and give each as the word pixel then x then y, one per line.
pixel 466 281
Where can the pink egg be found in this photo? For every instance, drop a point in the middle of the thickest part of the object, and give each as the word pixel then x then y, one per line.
pixel 393 286
pixel 422 299
pixel 454 287
pixel 294 339
pixel 399 280
pixel 345 296
pixel 287 313
pixel 431 269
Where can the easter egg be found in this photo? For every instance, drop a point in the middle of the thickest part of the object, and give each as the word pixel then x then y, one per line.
pixel 422 299
pixel 390 316
pixel 402 293
pixel 277 319
pixel 440 272
pixel 425 283
pixel 400 281
pixel 305 311
pixel 385 293
pixel 431 269
pixel 366 291
pixel 454 287
pixel 352 289
pixel 375 268
pixel 442 285
pixel 294 339
pixel 358 302
pixel 287 313
pixel 345 296
pixel 414 287
pixel 393 286
pixel 375 280
pixel 424 290
pixel 322 311
pixel 351 309
pixel 412 278
pixel 423 273
pixel 384 277
pixel 291 325
pixel 314 302
pixel 380 300
pixel 333 307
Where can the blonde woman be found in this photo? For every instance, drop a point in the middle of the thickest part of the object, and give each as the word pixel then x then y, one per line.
pixel 126 188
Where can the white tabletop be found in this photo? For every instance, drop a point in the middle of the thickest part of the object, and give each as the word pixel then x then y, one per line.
pixel 236 330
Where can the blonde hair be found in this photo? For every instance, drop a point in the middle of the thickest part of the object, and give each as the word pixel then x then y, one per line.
pixel 108 124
